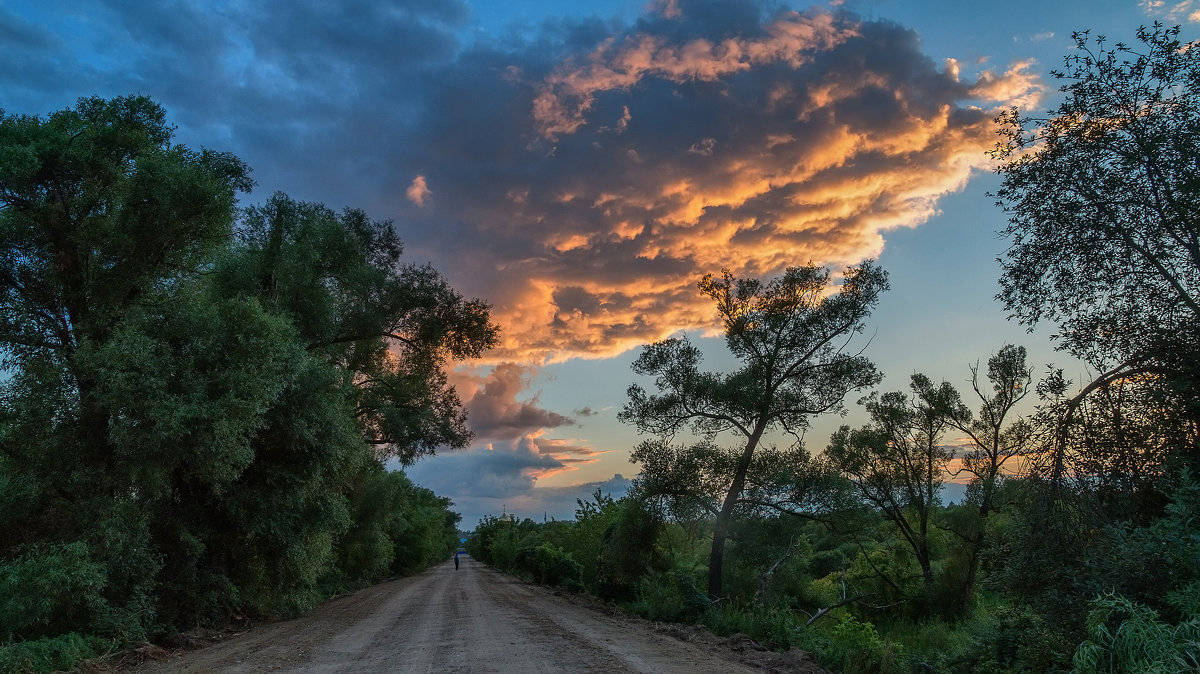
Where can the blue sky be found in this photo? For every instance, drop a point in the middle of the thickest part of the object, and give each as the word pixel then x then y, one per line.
pixel 580 165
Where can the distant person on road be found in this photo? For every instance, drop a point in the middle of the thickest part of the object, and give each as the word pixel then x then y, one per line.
pixel 456 560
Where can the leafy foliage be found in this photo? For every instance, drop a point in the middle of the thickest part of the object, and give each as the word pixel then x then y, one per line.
pixel 1103 212
pixel 791 336
pixel 1103 206
pixel 188 433
pixel 1129 637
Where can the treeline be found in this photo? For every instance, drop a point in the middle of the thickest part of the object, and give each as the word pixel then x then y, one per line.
pixel 197 399
pixel 1050 580
pixel 1076 546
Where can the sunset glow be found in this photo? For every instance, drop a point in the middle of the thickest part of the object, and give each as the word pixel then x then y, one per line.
pixel 580 168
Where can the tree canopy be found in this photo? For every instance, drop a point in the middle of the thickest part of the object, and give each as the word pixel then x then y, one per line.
pixel 1103 200
pixel 793 338
pixel 199 397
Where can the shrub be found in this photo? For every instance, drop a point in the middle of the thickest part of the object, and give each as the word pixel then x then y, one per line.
pixel 552 566
pixel 772 626
pixel 49 589
pixel 670 597
pixel 855 647
pixel 47 654
pixel 1126 636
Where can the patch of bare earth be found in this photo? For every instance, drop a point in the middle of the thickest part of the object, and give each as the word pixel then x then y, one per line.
pixel 470 620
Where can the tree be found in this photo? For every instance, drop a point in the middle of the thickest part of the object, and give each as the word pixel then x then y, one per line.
pixel 99 212
pixel 898 463
pixel 1104 216
pixel 191 421
pixel 391 328
pixel 792 338
pixel 995 437
pixel 135 391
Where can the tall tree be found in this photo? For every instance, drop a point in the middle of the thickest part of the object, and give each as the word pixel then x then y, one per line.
pixel 191 418
pixel 1104 216
pixel 390 327
pixel 898 463
pixel 98 211
pixel 995 436
pixel 793 337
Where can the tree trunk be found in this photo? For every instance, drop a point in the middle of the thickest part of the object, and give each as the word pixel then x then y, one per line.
pixel 716 556
pixel 968 588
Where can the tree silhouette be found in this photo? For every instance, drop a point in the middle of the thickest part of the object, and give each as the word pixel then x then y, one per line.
pixel 793 338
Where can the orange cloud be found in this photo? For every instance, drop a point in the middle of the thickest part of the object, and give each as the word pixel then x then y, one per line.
pixel 644 160
pixel 418 192
pixel 567 95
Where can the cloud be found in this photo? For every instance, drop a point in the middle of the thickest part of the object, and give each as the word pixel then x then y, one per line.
pixel 569 93
pixel 535 503
pixel 310 94
pixel 1018 86
pixel 492 406
pixel 607 179
pixel 418 192
pixel 587 173
pixel 1187 10
pixel 486 480
pixel 512 447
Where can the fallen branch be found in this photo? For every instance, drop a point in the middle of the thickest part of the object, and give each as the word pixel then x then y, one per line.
pixel 766 575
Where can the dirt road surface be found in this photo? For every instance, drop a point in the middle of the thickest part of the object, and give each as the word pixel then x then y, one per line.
pixel 472 620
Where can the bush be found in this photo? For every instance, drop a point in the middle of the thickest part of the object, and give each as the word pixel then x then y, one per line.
pixel 855 647
pixel 670 597
pixel 772 626
pixel 49 589
pixel 1126 636
pixel 130 610
pixel 999 637
pixel 51 654
pixel 551 566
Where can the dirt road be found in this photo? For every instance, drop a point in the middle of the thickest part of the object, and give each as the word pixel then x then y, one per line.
pixel 472 620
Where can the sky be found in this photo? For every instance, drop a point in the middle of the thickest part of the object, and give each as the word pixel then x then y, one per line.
pixel 580 165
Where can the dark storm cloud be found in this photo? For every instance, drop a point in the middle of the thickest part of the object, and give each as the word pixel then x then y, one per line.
pixel 311 94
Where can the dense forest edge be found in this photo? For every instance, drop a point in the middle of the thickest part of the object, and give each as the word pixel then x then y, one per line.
pixel 198 400
pixel 1076 546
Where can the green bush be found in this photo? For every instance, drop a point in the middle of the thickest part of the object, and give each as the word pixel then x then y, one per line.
pixel 1125 636
pixel 856 648
pixel 55 654
pixel 997 637
pixel 552 566
pixel 671 597
pixel 130 610
pixel 772 626
pixel 49 589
